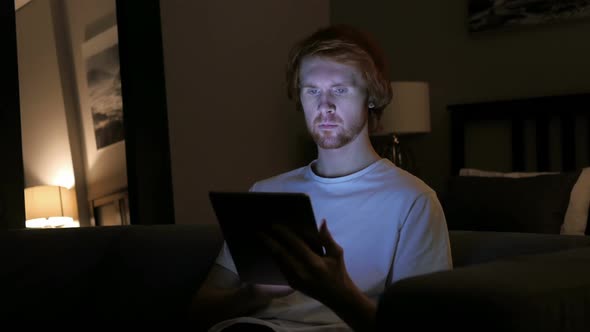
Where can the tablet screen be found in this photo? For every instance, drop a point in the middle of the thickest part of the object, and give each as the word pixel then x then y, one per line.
pixel 242 214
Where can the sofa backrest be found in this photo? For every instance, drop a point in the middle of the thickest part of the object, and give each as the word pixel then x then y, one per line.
pixel 109 272
pixel 472 247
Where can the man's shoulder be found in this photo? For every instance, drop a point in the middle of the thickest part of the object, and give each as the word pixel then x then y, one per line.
pixel 280 181
pixel 400 180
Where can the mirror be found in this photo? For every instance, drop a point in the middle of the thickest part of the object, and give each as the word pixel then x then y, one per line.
pixel 57 113
pixel 70 101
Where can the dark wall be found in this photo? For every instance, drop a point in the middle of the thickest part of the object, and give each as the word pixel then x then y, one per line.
pixel 429 40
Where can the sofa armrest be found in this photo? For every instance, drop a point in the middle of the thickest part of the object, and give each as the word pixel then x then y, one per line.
pixel 543 292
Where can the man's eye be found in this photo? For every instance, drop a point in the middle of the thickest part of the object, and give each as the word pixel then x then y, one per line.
pixel 340 90
pixel 312 92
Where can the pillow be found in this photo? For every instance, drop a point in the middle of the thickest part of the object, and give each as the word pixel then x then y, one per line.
pixel 535 204
pixel 577 218
pixel 480 172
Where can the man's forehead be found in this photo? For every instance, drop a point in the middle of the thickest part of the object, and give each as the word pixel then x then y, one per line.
pixel 314 68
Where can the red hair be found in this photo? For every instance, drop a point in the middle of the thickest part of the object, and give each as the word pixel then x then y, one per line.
pixel 348 45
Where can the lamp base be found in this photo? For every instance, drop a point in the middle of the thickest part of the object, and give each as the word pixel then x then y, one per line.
pixel 389 146
pixel 383 145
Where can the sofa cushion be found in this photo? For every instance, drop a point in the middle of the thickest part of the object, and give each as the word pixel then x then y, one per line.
pixel 135 273
pixel 157 269
pixel 49 272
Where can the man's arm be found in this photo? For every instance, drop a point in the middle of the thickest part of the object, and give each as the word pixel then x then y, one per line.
pixel 222 296
pixel 355 308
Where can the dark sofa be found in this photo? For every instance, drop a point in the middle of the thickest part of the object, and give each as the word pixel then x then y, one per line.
pixel 119 273
pixel 501 282
pixel 147 274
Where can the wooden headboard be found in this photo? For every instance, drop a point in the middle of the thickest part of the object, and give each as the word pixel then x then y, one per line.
pixel 568 110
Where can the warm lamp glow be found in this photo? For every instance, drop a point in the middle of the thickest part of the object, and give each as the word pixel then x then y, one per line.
pixel 64 178
pixel 409 110
pixel 50 206
pixel 407 113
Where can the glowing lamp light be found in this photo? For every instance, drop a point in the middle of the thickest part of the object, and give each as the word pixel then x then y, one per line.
pixel 50 207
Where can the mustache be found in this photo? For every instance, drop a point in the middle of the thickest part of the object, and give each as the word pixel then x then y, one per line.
pixel 330 118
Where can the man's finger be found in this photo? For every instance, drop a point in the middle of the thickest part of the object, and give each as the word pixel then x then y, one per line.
pixel 332 248
pixel 296 246
pixel 280 253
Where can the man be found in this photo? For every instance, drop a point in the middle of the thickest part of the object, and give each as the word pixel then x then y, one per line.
pixel 379 224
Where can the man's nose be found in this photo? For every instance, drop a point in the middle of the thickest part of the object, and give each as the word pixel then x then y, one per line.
pixel 327 103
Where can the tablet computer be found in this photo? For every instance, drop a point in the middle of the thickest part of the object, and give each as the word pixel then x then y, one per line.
pixel 242 214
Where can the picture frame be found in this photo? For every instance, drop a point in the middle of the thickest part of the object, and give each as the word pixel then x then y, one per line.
pixel 486 15
pixel 105 162
pixel 110 210
pixel 103 82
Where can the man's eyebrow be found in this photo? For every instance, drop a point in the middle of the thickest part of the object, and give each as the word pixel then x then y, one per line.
pixel 338 83
pixel 306 85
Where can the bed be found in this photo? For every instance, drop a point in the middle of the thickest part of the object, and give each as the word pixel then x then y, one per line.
pixel 520 165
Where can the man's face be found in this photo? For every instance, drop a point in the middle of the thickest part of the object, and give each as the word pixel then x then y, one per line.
pixel 334 100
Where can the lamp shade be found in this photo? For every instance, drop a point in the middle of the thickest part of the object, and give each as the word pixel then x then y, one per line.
pixel 50 201
pixel 409 110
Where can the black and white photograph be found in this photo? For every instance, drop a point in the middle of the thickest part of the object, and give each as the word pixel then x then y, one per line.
pixel 493 14
pixel 104 87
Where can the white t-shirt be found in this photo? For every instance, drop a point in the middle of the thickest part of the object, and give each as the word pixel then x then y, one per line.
pixel 389 223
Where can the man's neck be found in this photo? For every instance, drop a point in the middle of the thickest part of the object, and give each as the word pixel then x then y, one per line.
pixel 351 158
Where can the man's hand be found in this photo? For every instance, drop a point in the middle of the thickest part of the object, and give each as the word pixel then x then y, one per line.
pixel 324 278
pixel 222 296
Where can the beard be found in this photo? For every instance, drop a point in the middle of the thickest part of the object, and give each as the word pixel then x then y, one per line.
pixel 337 137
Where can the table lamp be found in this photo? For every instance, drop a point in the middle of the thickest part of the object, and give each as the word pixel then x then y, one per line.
pixel 407 113
pixel 50 207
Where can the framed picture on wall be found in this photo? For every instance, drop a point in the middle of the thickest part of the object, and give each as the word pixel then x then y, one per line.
pixel 493 14
pixel 101 57
pixel 96 57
